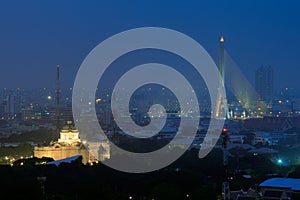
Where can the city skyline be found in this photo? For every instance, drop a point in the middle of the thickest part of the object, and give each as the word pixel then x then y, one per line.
pixel 131 99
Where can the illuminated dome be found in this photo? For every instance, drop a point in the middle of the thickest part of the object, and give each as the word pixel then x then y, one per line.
pixel 69 134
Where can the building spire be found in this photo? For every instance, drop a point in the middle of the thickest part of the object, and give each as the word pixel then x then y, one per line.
pixel 222 109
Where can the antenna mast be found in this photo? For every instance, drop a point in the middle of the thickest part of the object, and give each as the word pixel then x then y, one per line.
pixel 57 91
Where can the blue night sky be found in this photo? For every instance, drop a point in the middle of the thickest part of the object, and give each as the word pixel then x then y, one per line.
pixel 35 36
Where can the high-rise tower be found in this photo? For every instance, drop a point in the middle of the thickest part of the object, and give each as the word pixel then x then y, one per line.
pixel 264 83
pixel 222 108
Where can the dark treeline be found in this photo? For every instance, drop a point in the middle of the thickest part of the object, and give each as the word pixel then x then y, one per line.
pixel 197 178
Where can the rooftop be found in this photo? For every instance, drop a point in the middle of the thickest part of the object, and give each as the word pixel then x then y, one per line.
pixel 291 183
pixel 65 160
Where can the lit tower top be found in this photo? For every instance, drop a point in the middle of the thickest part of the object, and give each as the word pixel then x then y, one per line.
pixel 222 39
pixel 221 67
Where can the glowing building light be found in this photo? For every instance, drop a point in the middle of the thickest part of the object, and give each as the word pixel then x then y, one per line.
pixel 98 100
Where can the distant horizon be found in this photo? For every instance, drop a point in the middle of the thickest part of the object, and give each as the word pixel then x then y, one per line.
pixel 69 84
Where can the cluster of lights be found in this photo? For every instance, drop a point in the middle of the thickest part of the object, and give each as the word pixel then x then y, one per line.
pixel 10 160
pixel 91 163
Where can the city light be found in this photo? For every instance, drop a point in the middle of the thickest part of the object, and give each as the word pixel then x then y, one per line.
pixel 136 131
pixel 98 100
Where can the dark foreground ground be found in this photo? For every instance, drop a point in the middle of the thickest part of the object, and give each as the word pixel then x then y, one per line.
pixel 187 178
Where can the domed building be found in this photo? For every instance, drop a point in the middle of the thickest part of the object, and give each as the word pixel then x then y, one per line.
pixel 69 144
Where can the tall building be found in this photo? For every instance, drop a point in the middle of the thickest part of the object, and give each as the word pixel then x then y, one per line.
pixel 11 104
pixel 264 83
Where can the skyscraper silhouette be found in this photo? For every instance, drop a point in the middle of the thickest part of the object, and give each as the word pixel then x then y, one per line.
pixel 264 83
